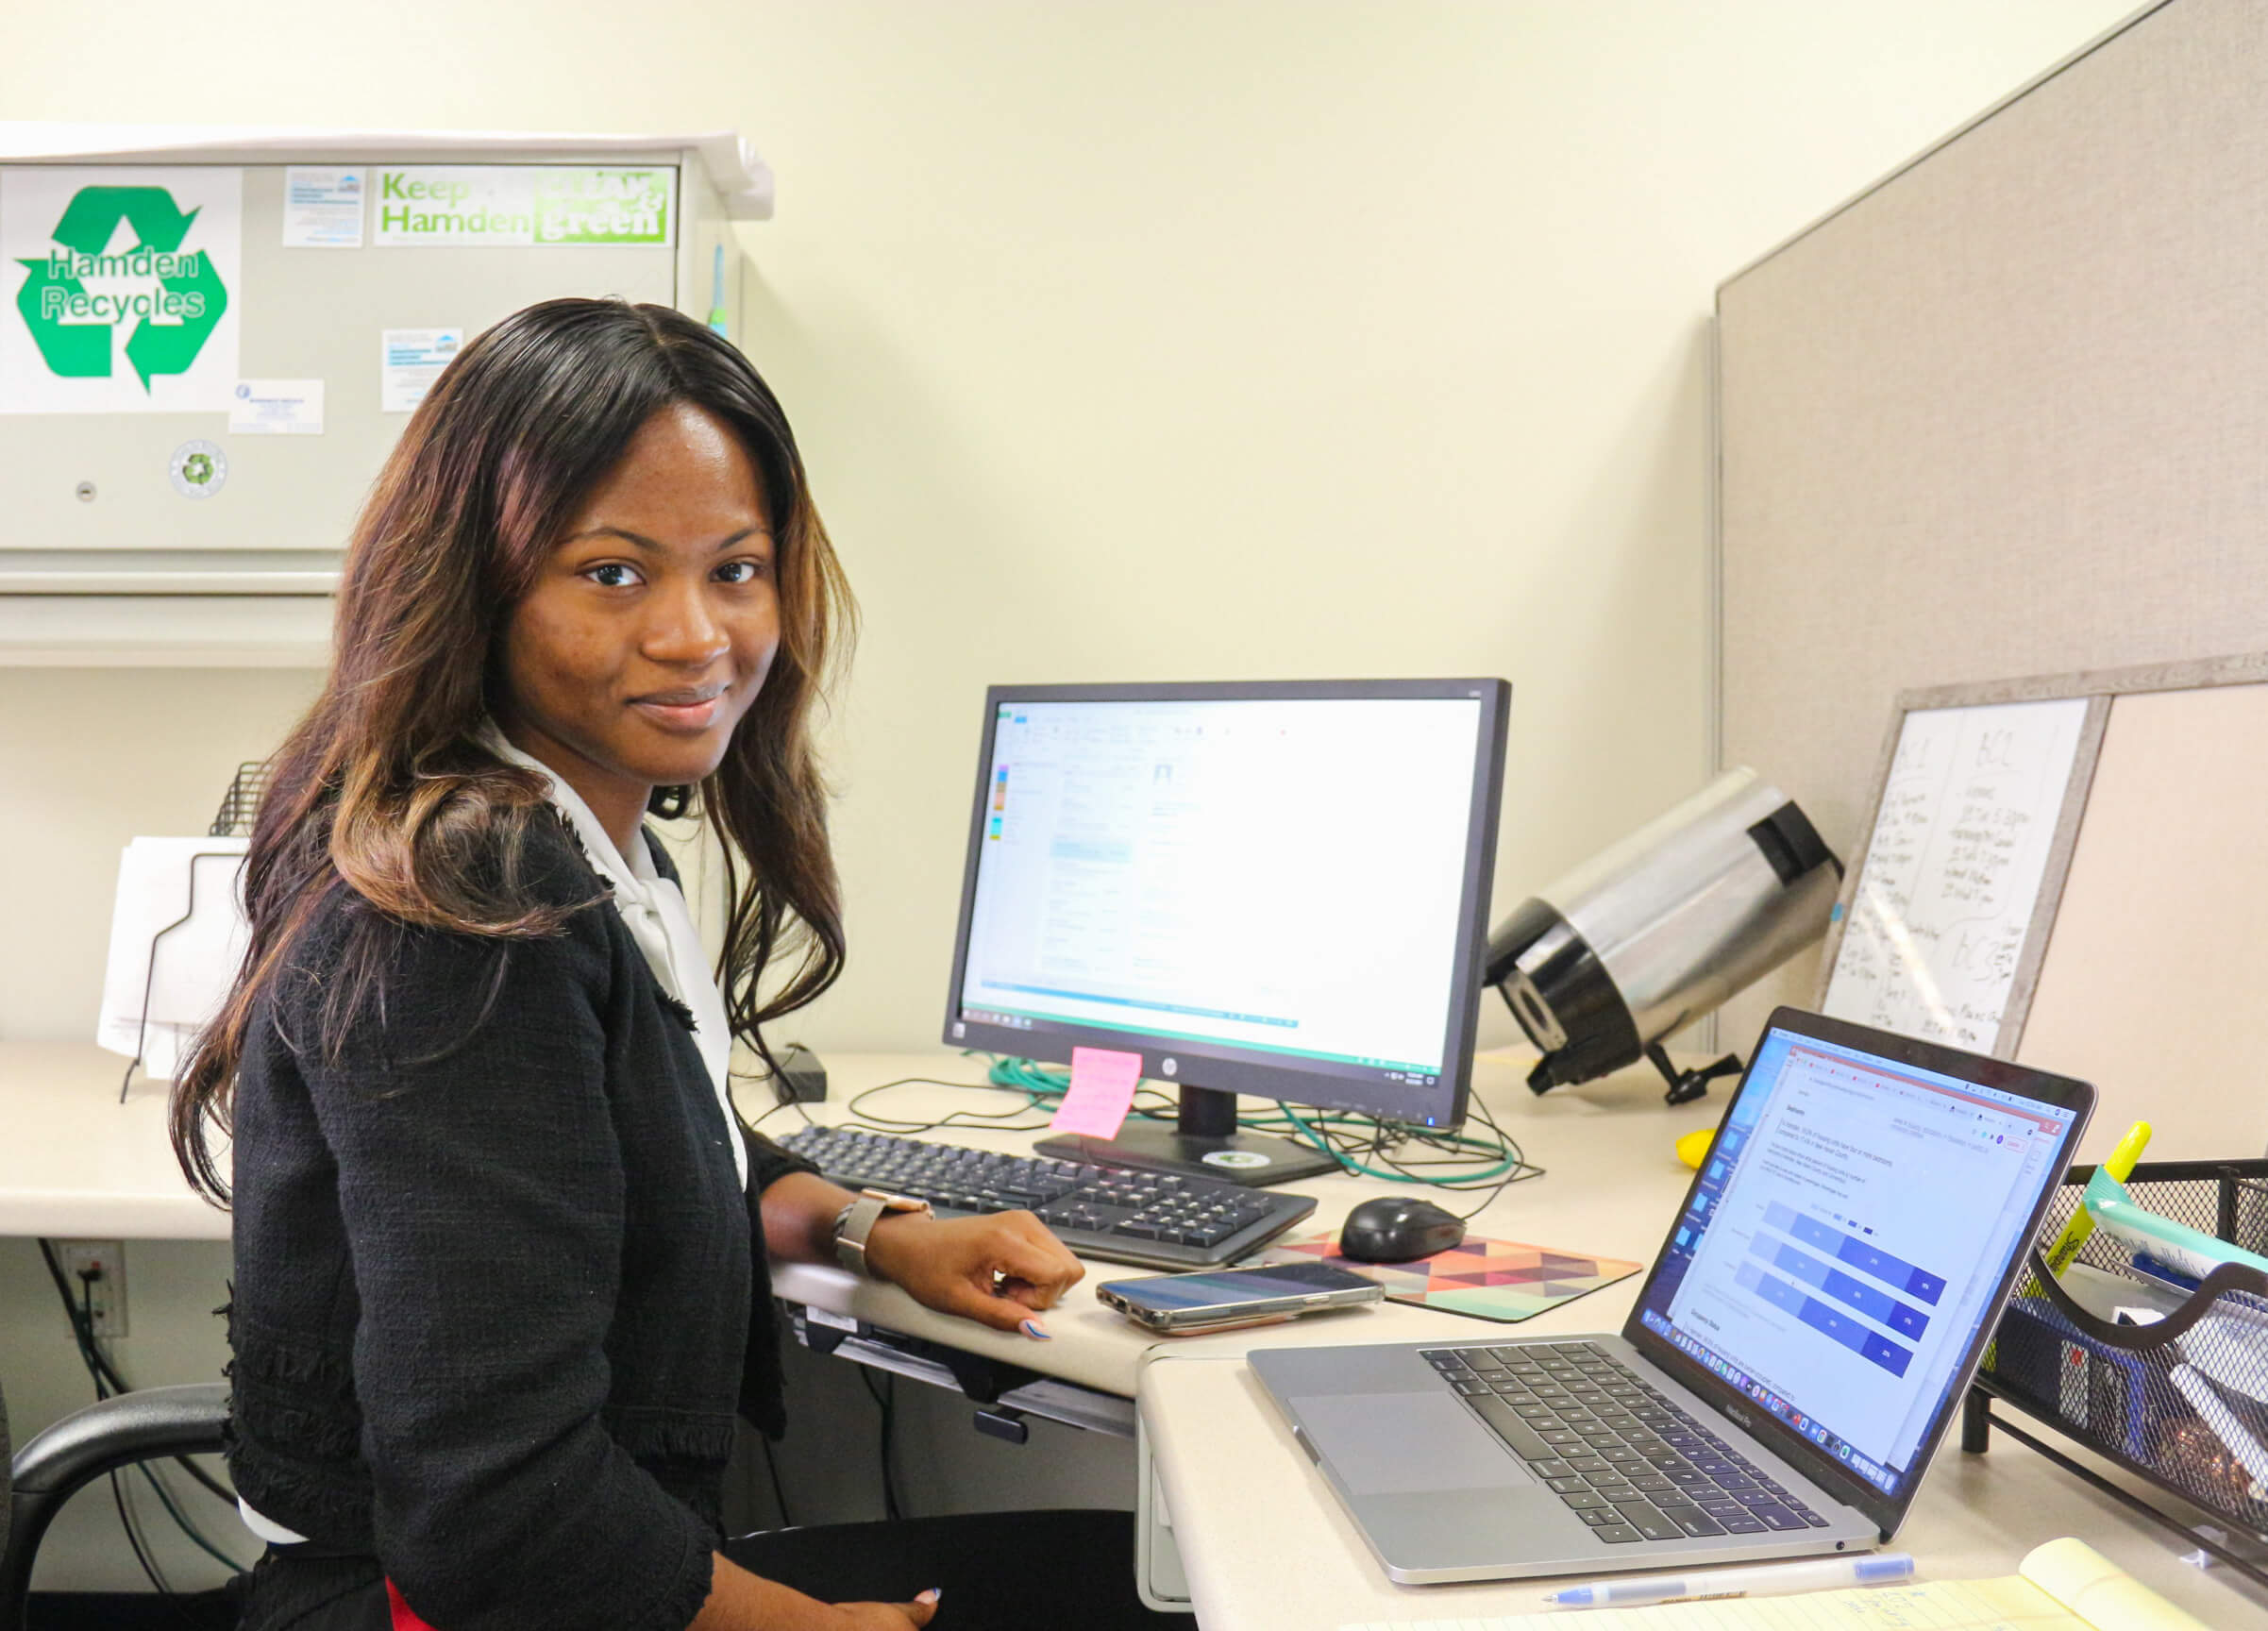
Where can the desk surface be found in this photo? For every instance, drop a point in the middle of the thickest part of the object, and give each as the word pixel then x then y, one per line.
pixel 78 1163
pixel 1611 1183
pixel 1243 1498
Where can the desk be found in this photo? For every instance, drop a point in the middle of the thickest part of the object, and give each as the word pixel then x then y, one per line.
pixel 1216 1441
pixel 1263 1543
pixel 78 1164
pixel 1589 1140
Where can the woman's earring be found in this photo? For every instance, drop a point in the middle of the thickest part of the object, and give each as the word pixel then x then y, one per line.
pixel 670 803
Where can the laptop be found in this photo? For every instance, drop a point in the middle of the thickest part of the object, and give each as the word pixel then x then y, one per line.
pixel 1789 1367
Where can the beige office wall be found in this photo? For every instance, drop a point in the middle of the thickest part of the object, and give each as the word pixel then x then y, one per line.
pixel 1190 340
pixel 89 759
pixel 1249 338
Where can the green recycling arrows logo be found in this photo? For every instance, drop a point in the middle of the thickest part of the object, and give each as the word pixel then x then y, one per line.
pixel 173 298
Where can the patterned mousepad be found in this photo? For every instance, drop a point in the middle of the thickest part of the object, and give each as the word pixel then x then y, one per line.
pixel 1503 1280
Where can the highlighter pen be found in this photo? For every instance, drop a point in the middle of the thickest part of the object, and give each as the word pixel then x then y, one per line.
pixel 1765 1580
pixel 2120 1165
pixel 718 324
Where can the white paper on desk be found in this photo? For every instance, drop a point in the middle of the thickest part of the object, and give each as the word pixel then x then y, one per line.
pixel 186 974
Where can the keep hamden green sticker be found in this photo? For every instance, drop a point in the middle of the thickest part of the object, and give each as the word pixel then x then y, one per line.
pixel 537 206
pixel 604 206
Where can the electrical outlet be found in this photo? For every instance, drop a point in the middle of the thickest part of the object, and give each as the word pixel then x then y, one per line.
pixel 107 1296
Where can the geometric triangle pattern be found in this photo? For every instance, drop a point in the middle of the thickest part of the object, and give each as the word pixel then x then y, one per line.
pixel 1506 1281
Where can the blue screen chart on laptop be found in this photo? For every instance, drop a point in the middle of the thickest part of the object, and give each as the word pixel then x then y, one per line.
pixel 1844 1240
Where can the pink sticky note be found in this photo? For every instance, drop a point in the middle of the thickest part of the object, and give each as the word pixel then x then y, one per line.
pixel 1102 1092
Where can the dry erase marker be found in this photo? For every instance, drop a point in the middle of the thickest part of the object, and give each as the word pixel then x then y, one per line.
pixel 1765 1580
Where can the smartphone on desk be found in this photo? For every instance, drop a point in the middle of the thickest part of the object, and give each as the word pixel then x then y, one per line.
pixel 1221 1298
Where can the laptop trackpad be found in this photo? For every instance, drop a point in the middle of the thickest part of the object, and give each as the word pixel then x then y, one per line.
pixel 1407 1443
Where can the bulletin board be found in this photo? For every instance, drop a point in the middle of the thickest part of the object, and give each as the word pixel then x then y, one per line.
pixel 2068 871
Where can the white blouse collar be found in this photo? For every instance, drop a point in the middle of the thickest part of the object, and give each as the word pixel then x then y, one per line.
pixel 632 871
pixel 658 920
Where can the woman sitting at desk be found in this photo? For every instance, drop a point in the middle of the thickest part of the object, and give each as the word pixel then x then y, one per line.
pixel 500 1241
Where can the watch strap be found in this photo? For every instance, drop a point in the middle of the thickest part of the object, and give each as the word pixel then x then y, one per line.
pixel 856 1221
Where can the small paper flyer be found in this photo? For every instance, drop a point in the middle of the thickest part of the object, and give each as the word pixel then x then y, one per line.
pixel 277 407
pixel 410 360
pixel 322 207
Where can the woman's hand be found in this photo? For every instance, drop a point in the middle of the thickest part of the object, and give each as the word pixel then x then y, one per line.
pixel 887 1616
pixel 997 1269
pixel 739 1601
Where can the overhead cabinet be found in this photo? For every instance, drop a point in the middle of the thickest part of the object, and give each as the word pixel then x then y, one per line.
pixel 207 349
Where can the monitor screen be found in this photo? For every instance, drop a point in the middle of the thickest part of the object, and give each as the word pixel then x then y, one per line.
pixel 1846 1238
pixel 1277 889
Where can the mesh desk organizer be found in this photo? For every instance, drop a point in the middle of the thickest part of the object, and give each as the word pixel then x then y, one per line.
pixel 232 820
pixel 2182 1402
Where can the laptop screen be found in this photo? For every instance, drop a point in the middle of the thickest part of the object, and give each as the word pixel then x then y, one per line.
pixel 1846 1237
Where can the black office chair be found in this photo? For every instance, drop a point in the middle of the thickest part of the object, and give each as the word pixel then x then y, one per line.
pixel 88 1444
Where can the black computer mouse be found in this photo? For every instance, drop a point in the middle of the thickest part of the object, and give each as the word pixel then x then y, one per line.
pixel 1398 1229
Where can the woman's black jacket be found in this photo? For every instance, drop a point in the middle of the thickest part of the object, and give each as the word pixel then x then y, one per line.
pixel 499 1293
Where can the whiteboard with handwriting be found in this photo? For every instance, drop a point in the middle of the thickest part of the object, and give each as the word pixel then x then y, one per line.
pixel 1934 929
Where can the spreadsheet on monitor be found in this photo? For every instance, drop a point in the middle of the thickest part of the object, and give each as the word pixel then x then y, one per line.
pixel 1280 874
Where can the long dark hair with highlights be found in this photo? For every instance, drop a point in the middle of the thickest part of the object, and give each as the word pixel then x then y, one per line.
pixel 381 789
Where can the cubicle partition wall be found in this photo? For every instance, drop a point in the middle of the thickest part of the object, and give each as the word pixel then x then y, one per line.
pixel 2005 413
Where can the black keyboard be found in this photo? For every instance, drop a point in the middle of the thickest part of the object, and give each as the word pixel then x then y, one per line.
pixel 1630 1464
pixel 1153 1220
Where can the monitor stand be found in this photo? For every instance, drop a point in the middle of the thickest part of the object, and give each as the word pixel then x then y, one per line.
pixel 1202 1143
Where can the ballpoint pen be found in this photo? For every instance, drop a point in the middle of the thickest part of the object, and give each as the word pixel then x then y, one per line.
pixel 1764 1580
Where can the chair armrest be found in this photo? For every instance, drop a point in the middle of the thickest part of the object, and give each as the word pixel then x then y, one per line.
pixel 137 1426
pixel 143 1425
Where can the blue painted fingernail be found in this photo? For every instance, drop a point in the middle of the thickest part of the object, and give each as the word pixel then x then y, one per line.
pixel 932 1595
pixel 1030 1328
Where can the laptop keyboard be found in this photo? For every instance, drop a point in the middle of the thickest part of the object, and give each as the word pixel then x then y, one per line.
pixel 1628 1462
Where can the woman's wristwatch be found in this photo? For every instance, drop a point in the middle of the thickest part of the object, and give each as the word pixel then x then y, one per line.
pixel 854 1223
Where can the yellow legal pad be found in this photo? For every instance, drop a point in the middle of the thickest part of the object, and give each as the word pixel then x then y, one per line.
pixel 2063 1586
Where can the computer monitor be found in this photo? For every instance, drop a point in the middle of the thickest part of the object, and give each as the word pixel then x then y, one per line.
pixel 1276 888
